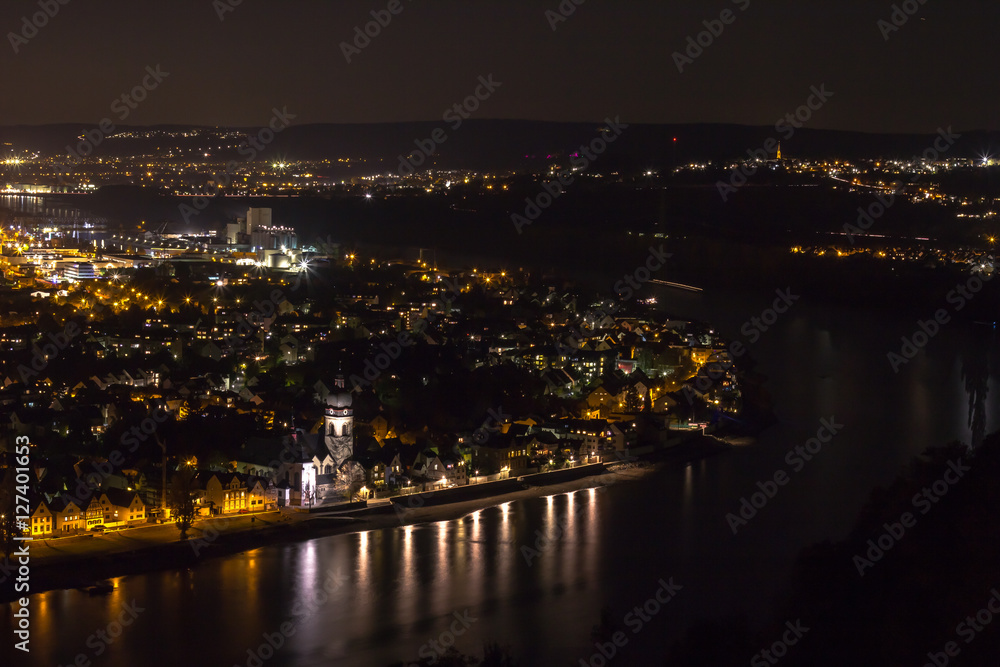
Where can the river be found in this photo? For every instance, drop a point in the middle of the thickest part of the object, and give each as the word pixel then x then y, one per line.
pixel 397 591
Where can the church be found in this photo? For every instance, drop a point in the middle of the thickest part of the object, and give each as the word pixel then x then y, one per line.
pixel 338 428
pixel 338 476
pixel 323 470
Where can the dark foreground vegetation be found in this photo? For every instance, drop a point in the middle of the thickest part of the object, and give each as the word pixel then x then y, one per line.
pixel 907 587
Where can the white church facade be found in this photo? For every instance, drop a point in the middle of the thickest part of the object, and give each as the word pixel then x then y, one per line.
pixel 325 472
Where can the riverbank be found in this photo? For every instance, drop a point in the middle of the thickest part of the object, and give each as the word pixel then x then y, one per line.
pixel 208 540
pixel 58 565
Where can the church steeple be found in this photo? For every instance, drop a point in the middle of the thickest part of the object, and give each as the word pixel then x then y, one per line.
pixel 338 422
pixel 779 150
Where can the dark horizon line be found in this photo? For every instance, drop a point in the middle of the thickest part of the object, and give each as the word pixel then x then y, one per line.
pixel 203 126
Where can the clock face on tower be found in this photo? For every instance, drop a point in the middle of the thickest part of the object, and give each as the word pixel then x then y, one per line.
pixel 338 426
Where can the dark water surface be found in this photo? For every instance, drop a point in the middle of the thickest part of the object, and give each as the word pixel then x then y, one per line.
pixel 395 591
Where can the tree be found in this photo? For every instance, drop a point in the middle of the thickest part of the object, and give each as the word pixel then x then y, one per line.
pixel 308 494
pixel 495 655
pixel 633 401
pixel 343 486
pixel 8 521
pixel 180 501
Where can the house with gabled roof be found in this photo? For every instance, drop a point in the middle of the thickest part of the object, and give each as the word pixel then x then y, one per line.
pixel 211 351
pixel 227 492
pixel 93 512
pixel 263 494
pixel 600 400
pixel 664 403
pixel 501 453
pixel 122 507
pixel 429 468
pixel 407 454
pixel 624 435
pixel 42 521
pixel 380 427
pixel 392 467
pixel 544 444
pixel 456 471
pixel 68 515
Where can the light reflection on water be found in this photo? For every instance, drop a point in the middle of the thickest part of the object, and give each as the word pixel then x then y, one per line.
pixel 403 584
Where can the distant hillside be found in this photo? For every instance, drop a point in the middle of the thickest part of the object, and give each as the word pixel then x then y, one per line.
pixel 494 144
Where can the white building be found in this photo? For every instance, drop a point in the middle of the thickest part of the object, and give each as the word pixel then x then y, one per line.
pixel 256 218
pixel 80 271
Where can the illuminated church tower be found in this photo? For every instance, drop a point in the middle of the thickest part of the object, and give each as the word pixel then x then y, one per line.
pixel 338 423
pixel 779 150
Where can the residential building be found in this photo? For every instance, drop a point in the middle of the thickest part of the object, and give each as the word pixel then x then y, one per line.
pixel 69 516
pixel 42 520
pixel 121 507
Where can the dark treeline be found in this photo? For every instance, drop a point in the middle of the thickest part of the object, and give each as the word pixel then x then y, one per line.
pixel 904 588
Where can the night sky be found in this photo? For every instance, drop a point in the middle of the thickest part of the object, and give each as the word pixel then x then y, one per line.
pixel 611 57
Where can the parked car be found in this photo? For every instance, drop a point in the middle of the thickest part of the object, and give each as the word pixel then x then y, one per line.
pixel 98 529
